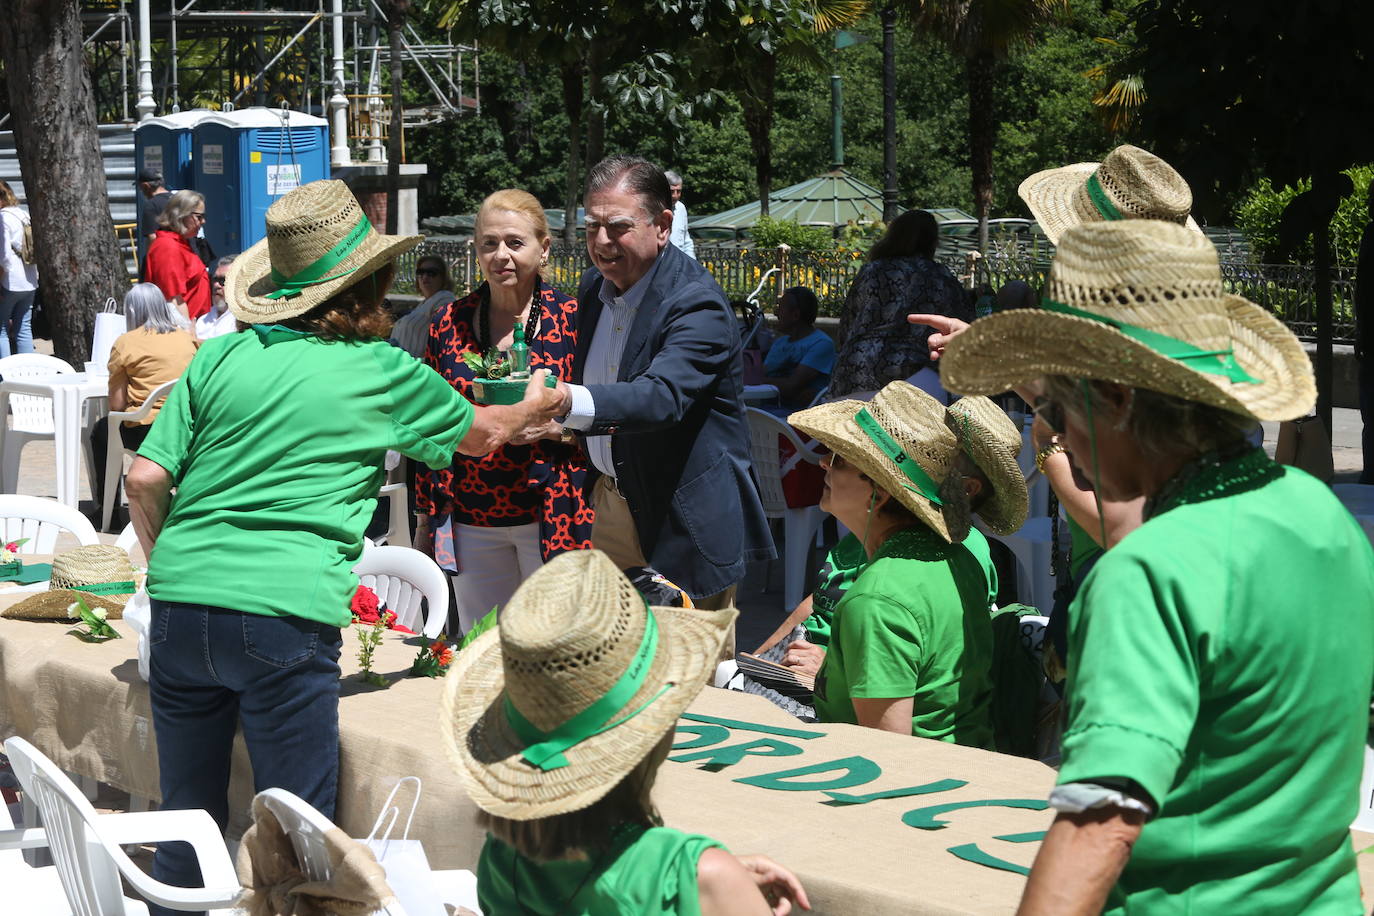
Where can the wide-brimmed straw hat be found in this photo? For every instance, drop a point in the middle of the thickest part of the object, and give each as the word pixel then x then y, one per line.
pixel 900 441
pixel 99 573
pixel 1129 183
pixel 318 242
pixel 992 442
pixel 1142 304
pixel 580 680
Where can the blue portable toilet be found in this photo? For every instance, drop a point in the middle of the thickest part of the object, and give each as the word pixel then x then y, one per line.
pixel 164 145
pixel 244 160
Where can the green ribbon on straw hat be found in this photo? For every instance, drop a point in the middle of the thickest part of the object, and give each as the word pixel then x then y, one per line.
pixel 546 749
pixel 1212 362
pixel 319 272
pixel 1098 195
pixel 106 588
pixel 905 463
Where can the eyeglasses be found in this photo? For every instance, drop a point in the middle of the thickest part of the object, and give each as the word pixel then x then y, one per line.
pixel 1051 413
pixel 614 228
pixel 428 272
pixel 218 281
pixel 200 216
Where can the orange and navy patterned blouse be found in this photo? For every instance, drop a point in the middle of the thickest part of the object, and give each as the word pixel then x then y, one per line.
pixel 516 484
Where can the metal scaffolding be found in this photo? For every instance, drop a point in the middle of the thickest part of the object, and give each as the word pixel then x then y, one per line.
pixel 326 57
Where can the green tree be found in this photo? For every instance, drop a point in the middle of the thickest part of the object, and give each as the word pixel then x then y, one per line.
pixel 1260 217
pixel 983 33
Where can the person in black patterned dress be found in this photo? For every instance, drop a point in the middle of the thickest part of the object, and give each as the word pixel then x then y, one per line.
pixel 877 345
pixel 495 519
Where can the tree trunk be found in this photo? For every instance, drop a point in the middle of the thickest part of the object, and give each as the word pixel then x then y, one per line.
pixel 573 103
pixel 757 105
pixel 58 144
pixel 596 118
pixel 982 136
pixel 396 18
pixel 1321 250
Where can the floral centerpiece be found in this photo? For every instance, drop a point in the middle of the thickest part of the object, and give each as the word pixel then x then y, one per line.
pixel 9 557
pixel 94 621
pixel 433 659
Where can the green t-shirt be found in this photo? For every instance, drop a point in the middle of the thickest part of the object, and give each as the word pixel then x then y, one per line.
pixel 646 872
pixel 1222 656
pixel 1082 547
pixel 915 624
pixel 841 568
pixel 976 543
pixel 275 441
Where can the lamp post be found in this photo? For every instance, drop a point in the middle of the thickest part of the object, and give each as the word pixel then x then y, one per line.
pixel 889 114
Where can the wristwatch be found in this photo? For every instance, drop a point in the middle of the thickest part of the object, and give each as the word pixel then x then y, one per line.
pixel 1046 453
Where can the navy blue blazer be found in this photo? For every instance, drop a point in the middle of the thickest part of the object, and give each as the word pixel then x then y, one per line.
pixel 680 438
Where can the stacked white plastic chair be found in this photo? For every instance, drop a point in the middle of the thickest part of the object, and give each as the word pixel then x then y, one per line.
pixel 41 521
pixel 798 524
pixel 115 452
pixel 32 416
pixel 87 848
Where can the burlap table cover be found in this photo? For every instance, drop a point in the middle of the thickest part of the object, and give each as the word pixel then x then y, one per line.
pixel 85 706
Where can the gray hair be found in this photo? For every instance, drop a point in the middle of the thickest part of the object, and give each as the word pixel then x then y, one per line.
pixel 1161 425
pixel 146 307
pixel 673 177
pixel 222 262
pixel 179 206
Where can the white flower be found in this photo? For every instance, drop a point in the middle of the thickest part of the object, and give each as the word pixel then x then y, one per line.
pixel 99 613
pixel 74 609
pixel 6 556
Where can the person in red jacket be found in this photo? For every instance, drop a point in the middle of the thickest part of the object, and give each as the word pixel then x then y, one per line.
pixel 172 263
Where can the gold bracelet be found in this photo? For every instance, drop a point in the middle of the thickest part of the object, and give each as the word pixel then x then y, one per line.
pixel 1047 452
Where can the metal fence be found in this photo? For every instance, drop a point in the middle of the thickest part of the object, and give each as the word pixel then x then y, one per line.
pixel 1286 290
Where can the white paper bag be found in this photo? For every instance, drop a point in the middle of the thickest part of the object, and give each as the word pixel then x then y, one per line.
pixel 138 613
pixel 109 324
pixel 407 867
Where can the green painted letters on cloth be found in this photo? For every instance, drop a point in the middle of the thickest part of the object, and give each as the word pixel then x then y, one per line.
pixel 856 772
pixel 721 757
pixel 928 818
pixel 706 735
pixel 940 785
pixel 778 730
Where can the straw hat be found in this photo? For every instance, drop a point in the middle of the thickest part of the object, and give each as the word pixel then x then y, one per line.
pixel 95 566
pixel 1128 184
pixel 318 242
pixel 989 437
pixel 902 426
pixel 573 631
pixel 1141 290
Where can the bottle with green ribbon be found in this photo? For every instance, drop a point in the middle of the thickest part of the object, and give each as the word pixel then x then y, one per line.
pixel 519 355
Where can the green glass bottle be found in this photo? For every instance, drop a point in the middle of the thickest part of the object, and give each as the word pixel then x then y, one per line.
pixel 519 354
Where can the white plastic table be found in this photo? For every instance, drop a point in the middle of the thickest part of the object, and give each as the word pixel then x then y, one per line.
pixel 760 394
pixel 69 393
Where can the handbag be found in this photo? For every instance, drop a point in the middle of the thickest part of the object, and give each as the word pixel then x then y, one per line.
pixel 407 867
pixel 109 324
pixel 138 614
pixel 1304 443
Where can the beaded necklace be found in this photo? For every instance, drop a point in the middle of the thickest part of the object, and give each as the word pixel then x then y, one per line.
pixel 484 342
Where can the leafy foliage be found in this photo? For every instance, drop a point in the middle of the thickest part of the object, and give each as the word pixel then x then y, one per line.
pixel 1260 214
pixel 771 233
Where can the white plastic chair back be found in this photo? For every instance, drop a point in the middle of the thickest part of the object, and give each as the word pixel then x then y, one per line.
pixel 90 859
pixel 88 873
pixel 41 520
pixel 32 414
pixel 764 429
pixel 401 577
pixel 115 452
pixel 306 827
pixel 128 539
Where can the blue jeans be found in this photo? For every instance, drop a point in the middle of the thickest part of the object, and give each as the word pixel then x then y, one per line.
pixel 16 320
pixel 212 668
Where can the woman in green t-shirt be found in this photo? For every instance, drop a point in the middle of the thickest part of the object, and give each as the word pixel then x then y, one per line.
pixel 1221 653
pixel 558 721
pixel 911 642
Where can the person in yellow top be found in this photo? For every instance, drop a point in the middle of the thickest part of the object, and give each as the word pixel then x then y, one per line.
pixel 156 349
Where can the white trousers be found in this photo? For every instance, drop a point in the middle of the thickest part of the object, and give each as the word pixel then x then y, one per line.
pixel 494 561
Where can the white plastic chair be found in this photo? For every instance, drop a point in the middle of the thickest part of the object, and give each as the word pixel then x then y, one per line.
pixel 306 827
pixel 128 539
pixel 40 520
pixel 32 415
pixel 87 847
pixel 34 891
pixel 799 525
pixel 115 450
pixel 398 511
pixel 401 577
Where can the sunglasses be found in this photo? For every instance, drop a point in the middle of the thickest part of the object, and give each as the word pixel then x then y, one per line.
pixel 218 281
pixel 428 272
pixel 1051 413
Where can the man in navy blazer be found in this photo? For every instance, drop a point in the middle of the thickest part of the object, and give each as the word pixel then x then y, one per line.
pixel 656 393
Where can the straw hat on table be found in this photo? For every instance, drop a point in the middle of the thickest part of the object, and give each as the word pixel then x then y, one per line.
pixel 1140 303
pixel 318 243
pixel 992 441
pixel 99 573
pixel 899 440
pixel 1129 183
pixel 575 640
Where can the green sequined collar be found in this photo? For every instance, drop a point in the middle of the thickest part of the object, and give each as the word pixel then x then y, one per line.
pixel 917 542
pixel 1213 476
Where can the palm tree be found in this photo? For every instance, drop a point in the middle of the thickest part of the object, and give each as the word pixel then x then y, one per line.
pixel 983 32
